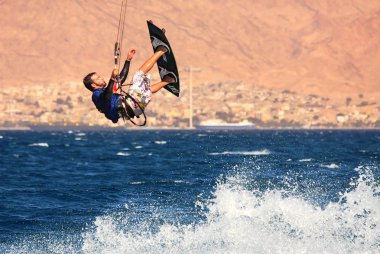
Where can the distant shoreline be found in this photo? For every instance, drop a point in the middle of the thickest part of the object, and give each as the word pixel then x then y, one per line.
pixel 106 128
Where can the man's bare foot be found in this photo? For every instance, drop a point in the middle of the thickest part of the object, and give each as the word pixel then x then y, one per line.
pixel 168 78
pixel 156 43
pixel 162 48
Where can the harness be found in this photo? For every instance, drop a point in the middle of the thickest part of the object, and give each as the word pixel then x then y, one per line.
pixel 125 111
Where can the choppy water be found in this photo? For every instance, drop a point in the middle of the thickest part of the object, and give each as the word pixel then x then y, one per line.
pixel 190 192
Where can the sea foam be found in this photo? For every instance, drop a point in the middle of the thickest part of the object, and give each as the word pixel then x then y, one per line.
pixel 238 220
pixel 255 153
pixel 40 144
pixel 123 154
pixel 331 166
pixel 305 160
pixel 160 142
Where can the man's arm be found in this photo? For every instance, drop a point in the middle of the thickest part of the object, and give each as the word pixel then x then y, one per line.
pixel 109 89
pixel 124 71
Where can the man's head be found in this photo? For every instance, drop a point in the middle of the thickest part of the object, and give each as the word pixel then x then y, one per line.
pixel 93 81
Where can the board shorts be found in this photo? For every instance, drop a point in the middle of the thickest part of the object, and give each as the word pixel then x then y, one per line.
pixel 140 91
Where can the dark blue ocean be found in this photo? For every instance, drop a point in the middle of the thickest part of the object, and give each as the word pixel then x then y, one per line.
pixel 178 191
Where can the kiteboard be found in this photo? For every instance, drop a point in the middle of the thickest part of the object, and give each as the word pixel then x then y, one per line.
pixel 167 61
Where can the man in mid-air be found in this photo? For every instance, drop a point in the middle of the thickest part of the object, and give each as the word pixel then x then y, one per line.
pixel 114 105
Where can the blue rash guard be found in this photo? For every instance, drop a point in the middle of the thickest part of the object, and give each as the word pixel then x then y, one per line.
pixel 105 100
pixel 107 106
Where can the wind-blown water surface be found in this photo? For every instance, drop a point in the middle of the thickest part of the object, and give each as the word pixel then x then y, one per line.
pixel 190 192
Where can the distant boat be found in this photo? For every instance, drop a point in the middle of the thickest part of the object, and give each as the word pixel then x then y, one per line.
pixel 222 125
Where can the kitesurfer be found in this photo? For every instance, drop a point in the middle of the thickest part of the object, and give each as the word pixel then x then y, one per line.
pixel 113 104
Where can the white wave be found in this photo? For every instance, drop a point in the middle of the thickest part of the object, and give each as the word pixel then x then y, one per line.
pixel 305 160
pixel 1 137
pixel 136 183
pixel 40 144
pixel 123 154
pixel 138 147
pixel 80 134
pixel 256 153
pixel 202 135
pixel 332 166
pixel 78 139
pixel 125 149
pixel 237 220
pixel 160 142
pixel 240 221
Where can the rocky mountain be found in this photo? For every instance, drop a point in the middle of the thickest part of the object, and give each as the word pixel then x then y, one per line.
pixel 323 47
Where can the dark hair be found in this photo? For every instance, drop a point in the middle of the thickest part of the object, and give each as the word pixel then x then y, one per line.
pixel 87 81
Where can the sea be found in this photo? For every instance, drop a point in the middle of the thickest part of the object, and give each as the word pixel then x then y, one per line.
pixel 190 191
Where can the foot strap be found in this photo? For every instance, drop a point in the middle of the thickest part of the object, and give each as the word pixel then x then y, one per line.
pixel 126 112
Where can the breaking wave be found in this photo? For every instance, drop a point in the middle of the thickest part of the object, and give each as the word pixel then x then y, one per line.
pixel 305 160
pixel 123 154
pixel 240 220
pixel 160 142
pixel 255 153
pixel 40 144
pixel 331 166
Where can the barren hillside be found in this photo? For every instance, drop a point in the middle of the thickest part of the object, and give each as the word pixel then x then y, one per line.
pixel 329 48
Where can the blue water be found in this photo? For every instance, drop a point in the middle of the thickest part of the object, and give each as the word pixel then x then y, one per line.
pixel 189 191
